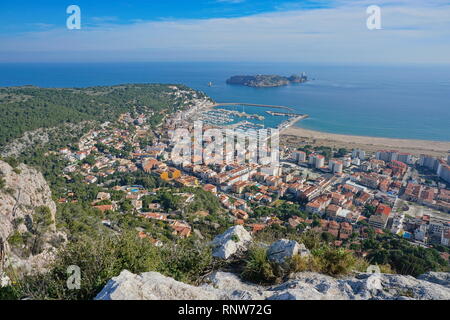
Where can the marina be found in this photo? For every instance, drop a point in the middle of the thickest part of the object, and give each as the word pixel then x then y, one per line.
pixel 247 116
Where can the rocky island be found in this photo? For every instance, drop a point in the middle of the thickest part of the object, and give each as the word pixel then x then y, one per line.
pixel 263 81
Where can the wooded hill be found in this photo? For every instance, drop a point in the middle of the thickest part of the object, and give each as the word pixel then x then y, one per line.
pixel 28 108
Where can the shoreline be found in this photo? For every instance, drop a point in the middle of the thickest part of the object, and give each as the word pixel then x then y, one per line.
pixel 371 144
pixel 293 134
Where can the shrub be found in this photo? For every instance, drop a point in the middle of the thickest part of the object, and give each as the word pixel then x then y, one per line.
pixel 235 238
pixel 43 217
pixel 16 239
pixel 302 264
pixel 8 293
pixel 311 240
pixel 361 264
pixel 99 260
pixel 335 261
pixel 103 258
pixel 258 268
pixel 386 268
pixel 185 261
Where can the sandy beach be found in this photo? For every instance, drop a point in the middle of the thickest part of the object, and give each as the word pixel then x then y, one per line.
pixel 294 135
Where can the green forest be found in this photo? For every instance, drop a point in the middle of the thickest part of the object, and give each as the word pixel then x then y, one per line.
pixel 29 108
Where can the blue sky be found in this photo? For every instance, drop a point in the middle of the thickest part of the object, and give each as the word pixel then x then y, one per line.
pixel 20 15
pixel 413 31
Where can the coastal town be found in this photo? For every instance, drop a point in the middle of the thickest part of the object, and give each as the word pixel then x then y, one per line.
pixel 346 194
pixel 224 158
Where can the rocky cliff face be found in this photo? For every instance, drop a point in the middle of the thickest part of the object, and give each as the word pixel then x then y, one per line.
pixel 27 218
pixel 301 286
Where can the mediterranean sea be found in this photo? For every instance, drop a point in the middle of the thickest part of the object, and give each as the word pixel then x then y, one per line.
pixel 410 102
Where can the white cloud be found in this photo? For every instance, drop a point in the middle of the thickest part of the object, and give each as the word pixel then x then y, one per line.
pixel 412 32
pixel 231 1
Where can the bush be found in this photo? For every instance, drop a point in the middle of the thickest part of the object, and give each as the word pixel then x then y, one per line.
pixel 8 293
pixel 186 262
pixel 258 268
pixel 103 258
pixel 43 217
pixel 312 240
pixel 335 261
pixel 16 239
pixel 99 260
pixel 303 264
pixel 403 256
pixel 361 264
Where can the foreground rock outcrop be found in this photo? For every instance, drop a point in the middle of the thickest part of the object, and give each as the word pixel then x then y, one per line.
pixel 25 195
pixel 284 249
pixel 301 286
pixel 235 240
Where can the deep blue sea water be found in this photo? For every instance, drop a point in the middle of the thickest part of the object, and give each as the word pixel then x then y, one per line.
pixel 399 102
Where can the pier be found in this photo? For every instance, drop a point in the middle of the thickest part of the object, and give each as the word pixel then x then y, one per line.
pixel 252 105
pixel 288 114
pixel 292 121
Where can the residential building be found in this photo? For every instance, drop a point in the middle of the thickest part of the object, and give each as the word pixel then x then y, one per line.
pixel 405 158
pixel 429 162
pixel 443 171
pixel 445 238
pixel 317 161
pixel 299 156
pixel 358 154
pixel 335 166
pixel 387 155
pixel 378 221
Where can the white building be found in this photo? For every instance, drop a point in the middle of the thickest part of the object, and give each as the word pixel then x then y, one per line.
pixel 420 234
pixel 387 155
pixel 445 238
pixel 299 156
pixel 405 158
pixel 358 154
pixel 397 223
pixel 429 162
pixel 271 170
pixel 443 171
pixel 437 226
pixel 347 162
pixel 335 166
pixel 317 161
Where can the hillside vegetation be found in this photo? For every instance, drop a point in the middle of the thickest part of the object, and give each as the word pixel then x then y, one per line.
pixel 28 108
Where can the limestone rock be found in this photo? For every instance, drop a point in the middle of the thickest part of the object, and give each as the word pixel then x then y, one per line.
pixel 303 251
pixel 24 190
pixel 235 239
pixel 236 288
pixel 4 280
pixel 302 286
pixel 284 249
pixel 154 286
pixel 441 278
